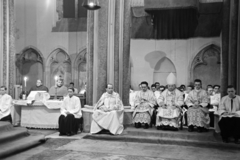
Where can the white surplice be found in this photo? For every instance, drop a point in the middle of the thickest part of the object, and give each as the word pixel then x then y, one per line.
pixel 72 105
pixel 225 106
pixel 5 105
pixel 108 114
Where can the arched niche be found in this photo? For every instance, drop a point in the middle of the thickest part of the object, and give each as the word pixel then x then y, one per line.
pixel 58 64
pixel 29 63
pixel 80 71
pixel 206 66
pixel 162 69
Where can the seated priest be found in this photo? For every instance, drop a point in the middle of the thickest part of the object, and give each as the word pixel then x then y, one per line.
pixel 108 113
pixel 39 87
pixel 229 111
pixel 59 89
pixel 198 114
pixel 71 85
pixel 170 102
pixel 5 105
pixel 144 105
pixel 71 113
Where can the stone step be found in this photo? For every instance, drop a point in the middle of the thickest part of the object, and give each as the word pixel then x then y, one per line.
pixel 14 134
pixel 12 147
pixel 5 126
pixel 182 137
pixel 181 134
pixel 164 140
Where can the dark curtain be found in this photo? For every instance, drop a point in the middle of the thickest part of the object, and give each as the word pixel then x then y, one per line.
pixel 175 23
pixel 82 12
pixel 68 8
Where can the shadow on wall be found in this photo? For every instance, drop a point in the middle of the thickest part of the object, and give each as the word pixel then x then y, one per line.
pixel 153 57
pixel 162 69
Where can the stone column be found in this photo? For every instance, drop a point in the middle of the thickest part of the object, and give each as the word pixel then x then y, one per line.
pixel 8 46
pixel 109 49
pixel 225 46
pixel 238 53
pixel 1 42
pixel 233 42
pixel 126 52
pixel 90 39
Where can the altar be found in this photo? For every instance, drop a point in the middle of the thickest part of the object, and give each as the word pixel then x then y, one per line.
pixel 37 114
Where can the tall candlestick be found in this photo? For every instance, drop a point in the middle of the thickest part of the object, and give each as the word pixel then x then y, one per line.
pixel 56 78
pixel 25 82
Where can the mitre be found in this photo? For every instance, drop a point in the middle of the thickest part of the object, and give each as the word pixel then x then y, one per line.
pixel 171 79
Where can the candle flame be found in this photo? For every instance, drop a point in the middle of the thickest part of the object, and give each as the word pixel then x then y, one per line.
pixel 25 78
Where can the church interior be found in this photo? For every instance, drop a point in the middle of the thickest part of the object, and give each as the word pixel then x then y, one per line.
pixel 122 43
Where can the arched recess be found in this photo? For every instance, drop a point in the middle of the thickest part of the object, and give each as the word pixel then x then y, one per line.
pixel 206 66
pixel 162 69
pixel 29 63
pixel 80 71
pixel 58 64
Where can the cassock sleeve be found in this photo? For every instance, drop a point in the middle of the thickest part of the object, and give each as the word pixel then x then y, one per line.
pixel 7 104
pixel 222 106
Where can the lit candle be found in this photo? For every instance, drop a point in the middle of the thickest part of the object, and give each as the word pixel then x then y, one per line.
pixel 25 81
pixel 56 78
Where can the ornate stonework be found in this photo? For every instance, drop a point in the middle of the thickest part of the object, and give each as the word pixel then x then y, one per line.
pixel 58 64
pixel 203 55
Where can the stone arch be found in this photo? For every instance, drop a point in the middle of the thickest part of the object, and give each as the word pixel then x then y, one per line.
pixel 79 69
pixel 29 63
pixel 162 69
pixel 206 65
pixel 58 63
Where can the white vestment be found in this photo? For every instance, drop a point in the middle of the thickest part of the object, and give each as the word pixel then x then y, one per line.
pixel 169 116
pixel 108 114
pixel 5 105
pixel 225 106
pixel 71 105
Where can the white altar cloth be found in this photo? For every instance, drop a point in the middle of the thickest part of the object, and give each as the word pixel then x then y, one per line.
pixel 37 114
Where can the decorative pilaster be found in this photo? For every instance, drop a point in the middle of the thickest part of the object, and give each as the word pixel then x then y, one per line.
pixel 90 39
pixel 126 52
pixel 11 54
pixel 8 46
pixel 225 47
pixel 233 42
pixel 5 41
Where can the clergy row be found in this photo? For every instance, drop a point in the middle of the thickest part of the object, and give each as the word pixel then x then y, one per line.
pixel 59 89
pixel 108 112
pixel 169 107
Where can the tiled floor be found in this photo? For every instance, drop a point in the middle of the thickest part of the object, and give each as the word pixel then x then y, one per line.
pixel 76 148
